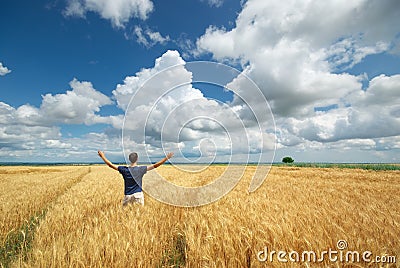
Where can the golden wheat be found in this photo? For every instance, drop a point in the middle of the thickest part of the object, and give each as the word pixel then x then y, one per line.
pixel 26 191
pixel 296 209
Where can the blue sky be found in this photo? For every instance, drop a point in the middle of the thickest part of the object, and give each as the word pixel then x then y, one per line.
pixel 69 68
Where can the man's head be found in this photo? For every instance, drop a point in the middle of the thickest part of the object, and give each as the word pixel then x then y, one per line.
pixel 133 157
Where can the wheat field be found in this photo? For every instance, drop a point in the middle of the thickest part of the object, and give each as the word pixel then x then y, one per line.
pixel 82 222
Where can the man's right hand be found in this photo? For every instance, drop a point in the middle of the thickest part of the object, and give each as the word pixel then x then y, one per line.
pixel 100 153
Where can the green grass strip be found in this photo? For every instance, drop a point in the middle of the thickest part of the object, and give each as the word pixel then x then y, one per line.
pixel 19 242
pixel 376 167
pixel 175 256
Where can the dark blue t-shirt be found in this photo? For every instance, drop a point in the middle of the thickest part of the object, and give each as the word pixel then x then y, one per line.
pixel 132 178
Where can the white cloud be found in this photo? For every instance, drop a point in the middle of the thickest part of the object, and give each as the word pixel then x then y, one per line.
pixel 149 38
pixel 156 37
pixel 28 131
pixel 219 42
pixel 56 144
pixel 162 110
pixel 18 136
pixel 75 8
pixel 374 113
pixel 347 52
pixel 166 110
pixel 291 48
pixel 46 144
pixel 4 70
pixel 388 143
pixel 214 3
pixel 186 45
pixel 132 84
pixel 6 113
pixel 296 52
pixel 74 107
pixel 118 11
pixel 383 91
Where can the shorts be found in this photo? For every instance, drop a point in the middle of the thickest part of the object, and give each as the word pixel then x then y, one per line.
pixel 133 198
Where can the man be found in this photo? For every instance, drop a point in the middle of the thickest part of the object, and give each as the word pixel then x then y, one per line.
pixel 133 176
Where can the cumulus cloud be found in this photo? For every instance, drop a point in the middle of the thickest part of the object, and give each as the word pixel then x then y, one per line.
pixel 297 52
pixel 289 56
pixel 383 91
pixel 4 70
pixel 149 38
pixel 124 92
pixel 165 111
pixel 33 143
pixel 28 131
pixel 119 11
pixel 163 108
pixel 18 134
pixel 373 113
pixel 76 106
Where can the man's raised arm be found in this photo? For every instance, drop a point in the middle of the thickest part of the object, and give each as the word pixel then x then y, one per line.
pixel 111 165
pixel 159 163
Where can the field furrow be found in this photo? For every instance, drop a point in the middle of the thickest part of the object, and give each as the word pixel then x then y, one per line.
pixel 87 227
pixel 27 191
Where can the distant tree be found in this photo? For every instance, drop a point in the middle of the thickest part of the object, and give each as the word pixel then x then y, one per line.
pixel 287 159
